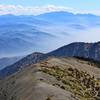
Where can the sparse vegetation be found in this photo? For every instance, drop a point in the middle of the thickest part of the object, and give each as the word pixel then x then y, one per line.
pixel 4 95
pixel 82 84
pixel 54 75
pixel 48 98
pixel 90 61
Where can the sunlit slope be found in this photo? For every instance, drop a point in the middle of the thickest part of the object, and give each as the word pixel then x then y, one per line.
pixel 53 79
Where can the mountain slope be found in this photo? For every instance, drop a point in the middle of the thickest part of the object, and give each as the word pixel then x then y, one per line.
pixel 8 61
pixel 26 61
pixel 80 49
pixel 52 80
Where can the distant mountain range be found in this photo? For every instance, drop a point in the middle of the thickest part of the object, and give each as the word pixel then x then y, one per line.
pixel 69 18
pixel 21 35
pixel 77 49
pixel 71 72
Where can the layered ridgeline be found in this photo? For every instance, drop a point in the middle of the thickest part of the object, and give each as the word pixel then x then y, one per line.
pixel 21 35
pixel 79 49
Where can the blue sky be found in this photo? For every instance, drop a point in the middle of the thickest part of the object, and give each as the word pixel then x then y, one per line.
pixel 77 4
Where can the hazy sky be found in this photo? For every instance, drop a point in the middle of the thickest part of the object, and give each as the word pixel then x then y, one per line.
pixel 78 4
pixel 88 6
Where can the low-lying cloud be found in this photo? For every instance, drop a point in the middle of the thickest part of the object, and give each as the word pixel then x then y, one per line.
pixel 21 10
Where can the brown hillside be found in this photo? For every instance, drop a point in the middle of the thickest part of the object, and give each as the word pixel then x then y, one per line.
pixel 53 79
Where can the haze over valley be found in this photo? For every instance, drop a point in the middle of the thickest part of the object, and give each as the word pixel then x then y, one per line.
pixel 24 34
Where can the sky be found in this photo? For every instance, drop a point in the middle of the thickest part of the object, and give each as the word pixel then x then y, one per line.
pixel 79 4
pixel 41 6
